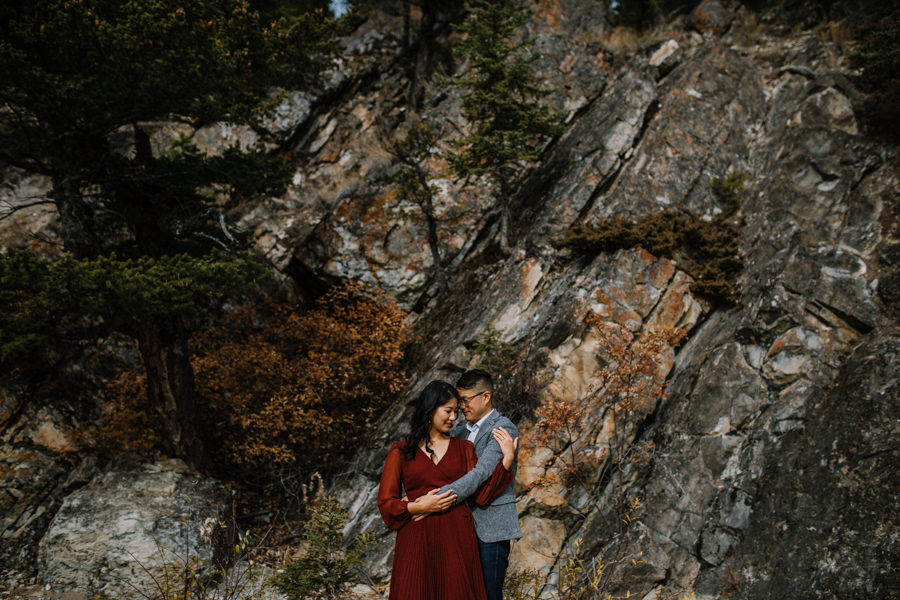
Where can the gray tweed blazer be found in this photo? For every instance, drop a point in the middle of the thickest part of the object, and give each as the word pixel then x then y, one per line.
pixel 498 521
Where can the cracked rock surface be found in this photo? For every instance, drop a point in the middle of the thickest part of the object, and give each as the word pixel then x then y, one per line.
pixel 774 470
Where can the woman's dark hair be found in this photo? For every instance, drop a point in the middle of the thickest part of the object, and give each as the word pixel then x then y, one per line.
pixel 435 394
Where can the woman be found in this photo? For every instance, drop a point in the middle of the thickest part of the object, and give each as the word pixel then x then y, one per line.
pixel 436 558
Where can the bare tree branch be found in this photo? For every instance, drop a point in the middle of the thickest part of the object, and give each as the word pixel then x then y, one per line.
pixel 13 209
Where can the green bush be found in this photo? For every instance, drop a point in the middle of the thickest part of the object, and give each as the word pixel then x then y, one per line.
pixel 325 567
pixel 491 352
pixel 727 190
pixel 47 305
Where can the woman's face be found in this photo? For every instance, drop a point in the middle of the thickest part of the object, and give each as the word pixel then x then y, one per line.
pixel 444 416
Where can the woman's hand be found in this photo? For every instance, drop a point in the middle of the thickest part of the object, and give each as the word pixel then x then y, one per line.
pixel 431 502
pixel 508 446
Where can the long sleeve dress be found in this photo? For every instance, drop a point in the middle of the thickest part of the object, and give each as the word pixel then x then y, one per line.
pixel 435 558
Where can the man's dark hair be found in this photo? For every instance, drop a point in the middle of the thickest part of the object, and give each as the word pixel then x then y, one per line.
pixel 476 378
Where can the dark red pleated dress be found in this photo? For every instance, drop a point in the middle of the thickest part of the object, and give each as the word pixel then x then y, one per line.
pixel 435 558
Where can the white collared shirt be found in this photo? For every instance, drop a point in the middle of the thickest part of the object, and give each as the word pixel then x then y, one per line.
pixel 473 428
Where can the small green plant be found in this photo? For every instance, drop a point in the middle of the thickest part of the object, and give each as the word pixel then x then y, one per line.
pixel 325 565
pixel 181 573
pixel 580 577
pixel 491 352
pixel 728 191
pixel 523 584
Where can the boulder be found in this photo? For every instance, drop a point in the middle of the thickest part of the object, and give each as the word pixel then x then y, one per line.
pixel 130 529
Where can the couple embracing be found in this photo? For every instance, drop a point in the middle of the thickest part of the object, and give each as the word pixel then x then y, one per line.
pixel 450 497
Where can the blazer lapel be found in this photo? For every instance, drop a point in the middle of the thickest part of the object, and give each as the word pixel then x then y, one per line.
pixel 486 427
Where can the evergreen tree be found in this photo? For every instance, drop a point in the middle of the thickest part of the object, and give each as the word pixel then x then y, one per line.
pixel 75 72
pixel 50 309
pixel 75 75
pixel 327 564
pixel 501 100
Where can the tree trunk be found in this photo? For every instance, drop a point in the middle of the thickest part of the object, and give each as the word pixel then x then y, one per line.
pixel 76 217
pixel 163 344
pixel 503 234
pixel 423 67
pixel 435 250
pixel 506 192
pixel 426 203
pixel 407 7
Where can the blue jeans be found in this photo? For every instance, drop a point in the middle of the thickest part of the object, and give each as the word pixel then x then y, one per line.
pixel 494 560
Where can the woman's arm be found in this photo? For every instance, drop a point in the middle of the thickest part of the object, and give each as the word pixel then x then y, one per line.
pixel 391 505
pixel 395 509
pixel 479 471
pixel 431 502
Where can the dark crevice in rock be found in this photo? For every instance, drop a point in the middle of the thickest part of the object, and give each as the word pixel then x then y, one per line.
pixel 822 173
pixel 652 109
pixel 609 181
pixel 819 316
pixel 421 303
pixel 340 96
pixel 309 283
pixel 877 453
pixel 859 325
pixel 602 188
pixel 587 107
pixel 867 170
pixel 478 244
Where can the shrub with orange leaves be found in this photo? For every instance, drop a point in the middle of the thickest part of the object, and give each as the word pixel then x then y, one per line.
pixel 629 385
pixel 127 424
pixel 285 388
pixel 634 375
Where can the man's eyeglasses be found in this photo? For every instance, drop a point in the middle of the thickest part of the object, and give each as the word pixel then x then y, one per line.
pixel 467 399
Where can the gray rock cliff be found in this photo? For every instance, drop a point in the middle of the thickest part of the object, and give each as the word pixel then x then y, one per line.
pixel 773 470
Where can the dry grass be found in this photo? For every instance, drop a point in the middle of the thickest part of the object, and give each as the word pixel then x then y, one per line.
pixel 623 39
pixel 839 33
pixel 374 155
pixel 749 29
pixel 838 37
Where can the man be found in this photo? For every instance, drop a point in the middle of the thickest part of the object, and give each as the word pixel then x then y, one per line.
pixel 497 523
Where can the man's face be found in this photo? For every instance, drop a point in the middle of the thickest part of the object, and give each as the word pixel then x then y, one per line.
pixel 474 403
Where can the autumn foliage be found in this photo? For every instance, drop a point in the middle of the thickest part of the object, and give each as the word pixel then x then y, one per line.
pixel 285 388
pixel 628 386
pixel 282 388
pixel 127 424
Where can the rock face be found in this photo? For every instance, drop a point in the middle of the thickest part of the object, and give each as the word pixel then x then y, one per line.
pixel 770 466
pixel 117 535
pixel 738 499
pixel 819 528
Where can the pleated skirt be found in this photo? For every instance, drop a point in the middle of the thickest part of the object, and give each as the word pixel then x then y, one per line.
pixel 437 559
